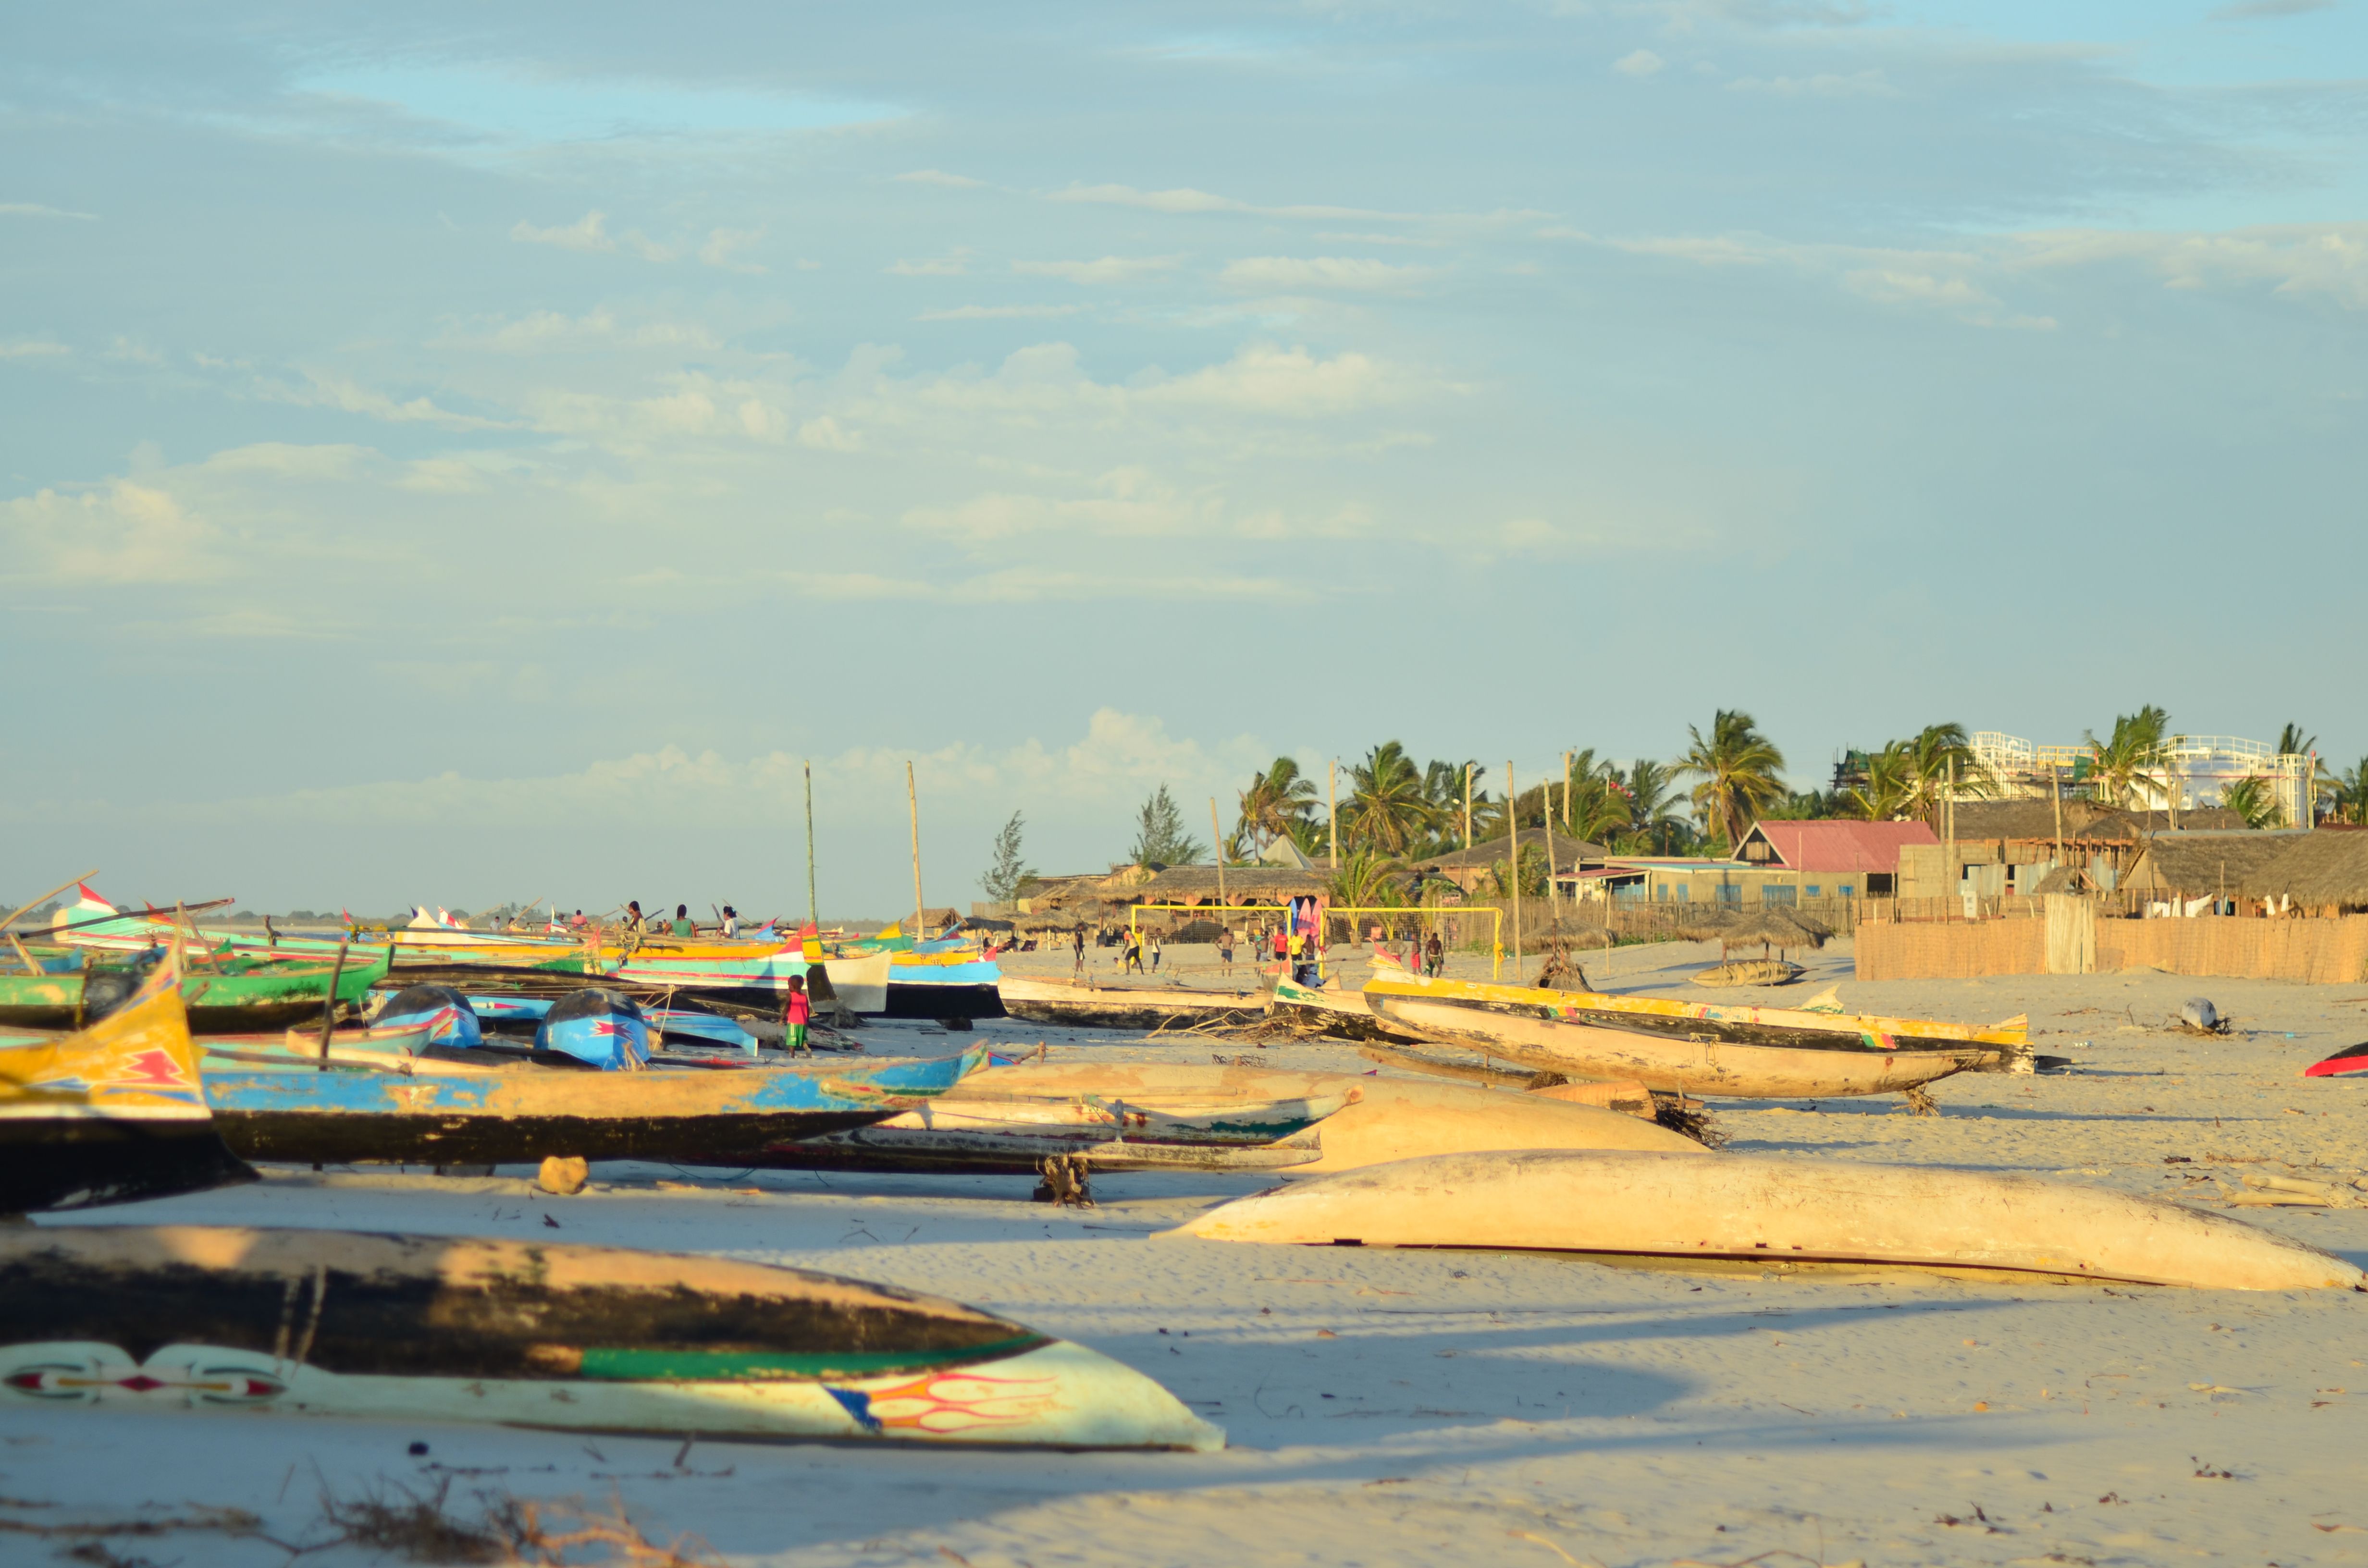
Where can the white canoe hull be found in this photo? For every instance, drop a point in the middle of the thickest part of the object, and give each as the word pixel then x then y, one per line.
pixel 1660 1062
pixel 1772 1211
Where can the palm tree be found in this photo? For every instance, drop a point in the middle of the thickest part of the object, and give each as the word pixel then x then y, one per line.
pixel 1889 793
pixel 2252 799
pixel 1368 880
pixel 1275 802
pixel 1938 754
pixel 2352 793
pixel 1737 766
pixel 2292 742
pixel 2120 768
pixel 1651 801
pixel 1386 809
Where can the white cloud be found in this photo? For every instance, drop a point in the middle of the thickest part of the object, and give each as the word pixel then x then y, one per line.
pixel 33 349
pixel 1265 379
pixel 940 177
pixel 551 332
pixel 35 209
pixel 1356 273
pixel 825 435
pixel 119 533
pixel 721 245
pixel 999 312
pixel 2296 260
pixel 589 232
pixel 1185 200
pixel 1869 83
pixel 1108 269
pixel 1643 63
pixel 1030 585
pixel 337 391
pixel 2262 10
pixel 283 459
pixel 953 264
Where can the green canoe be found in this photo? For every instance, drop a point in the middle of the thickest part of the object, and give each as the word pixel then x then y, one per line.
pixel 237 996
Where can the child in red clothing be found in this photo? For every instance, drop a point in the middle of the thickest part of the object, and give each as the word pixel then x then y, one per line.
pixel 800 1010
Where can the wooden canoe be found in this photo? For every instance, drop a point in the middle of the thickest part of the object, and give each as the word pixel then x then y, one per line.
pixel 238 995
pixel 419 1328
pixel 1385 1118
pixel 1770 1210
pixel 1125 1007
pixel 1741 1023
pixel 112 1114
pixel 1345 1015
pixel 518 1112
pixel 1683 1066
pixel 1011 1119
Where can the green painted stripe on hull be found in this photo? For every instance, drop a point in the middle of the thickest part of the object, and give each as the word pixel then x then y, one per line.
pixel 696 1365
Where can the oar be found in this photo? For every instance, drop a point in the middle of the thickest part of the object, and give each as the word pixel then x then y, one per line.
pixel 329 1006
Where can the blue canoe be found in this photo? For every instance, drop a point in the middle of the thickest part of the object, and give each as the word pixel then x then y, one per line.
pixel 441 1111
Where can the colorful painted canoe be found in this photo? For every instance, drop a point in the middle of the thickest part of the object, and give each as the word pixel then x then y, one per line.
pixel 1666 1062
pixel 228 996
pixel 1060 1003
pixel 1741 1024
pixel 1769 1211
pixel 111 1115
pixel 1346 1014
pixel 598 1339
pixel 2349 1062
pixel 507 1112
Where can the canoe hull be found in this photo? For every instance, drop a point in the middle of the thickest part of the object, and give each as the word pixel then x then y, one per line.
pixel 1775 1212
pixel 1684 1066
pixel 1347 1015
pixel 1120 1007
pixel 504 1115
pixel 111 1115
pixel 578 1338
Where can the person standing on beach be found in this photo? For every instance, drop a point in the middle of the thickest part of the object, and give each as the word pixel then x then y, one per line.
pixel 1078 939
pixel 1225 949
pixel 1434 953
pixel 1155 952
pixel 795 1016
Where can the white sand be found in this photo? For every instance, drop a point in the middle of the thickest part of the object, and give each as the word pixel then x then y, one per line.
pixel 1426 1407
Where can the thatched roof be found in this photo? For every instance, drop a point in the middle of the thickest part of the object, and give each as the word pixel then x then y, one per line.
pixel 1567 852
pixel 2319 870
pixel 2130 826
pixel 2200 863
pixel 1190 884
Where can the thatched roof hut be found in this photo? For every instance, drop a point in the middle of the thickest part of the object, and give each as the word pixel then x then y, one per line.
pixel 1243 884
pixel 2194 864
pixel 2324 871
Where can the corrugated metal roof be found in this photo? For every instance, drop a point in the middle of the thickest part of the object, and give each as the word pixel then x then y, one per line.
pixel 1841 846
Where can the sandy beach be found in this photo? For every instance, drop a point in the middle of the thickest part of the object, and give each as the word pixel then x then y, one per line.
pixel 1414 1407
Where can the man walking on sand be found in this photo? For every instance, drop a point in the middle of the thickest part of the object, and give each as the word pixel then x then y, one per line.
pixel 1079 937
pixel 795 1016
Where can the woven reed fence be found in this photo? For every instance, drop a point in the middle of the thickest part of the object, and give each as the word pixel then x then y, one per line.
pixel 2323 951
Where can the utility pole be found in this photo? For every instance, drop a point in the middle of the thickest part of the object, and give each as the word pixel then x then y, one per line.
pixel 1513 858
pixel 1467 805
pixel 1219 840
pixel 1332 774
pixel 913 799
pixel 814 915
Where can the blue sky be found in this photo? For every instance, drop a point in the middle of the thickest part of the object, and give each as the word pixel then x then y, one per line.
pixel 456 454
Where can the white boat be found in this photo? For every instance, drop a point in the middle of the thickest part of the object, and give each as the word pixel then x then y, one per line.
pixel 1772 1212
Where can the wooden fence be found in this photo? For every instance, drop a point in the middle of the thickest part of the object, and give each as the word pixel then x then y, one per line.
pixel 2323 951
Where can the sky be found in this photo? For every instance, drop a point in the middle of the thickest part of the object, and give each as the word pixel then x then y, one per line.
pixel 455 454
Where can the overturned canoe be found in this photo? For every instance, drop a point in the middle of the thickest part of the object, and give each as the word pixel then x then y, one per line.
pixel 1738 1022
pixel 1666 1063
pixel 413 1328
pixel 1769 1210
pixel 110 1115
pixel 1385 1118
pixel 1125 1007
pixel 511 1111
pixel 2351 1061
pixel 1011 1119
